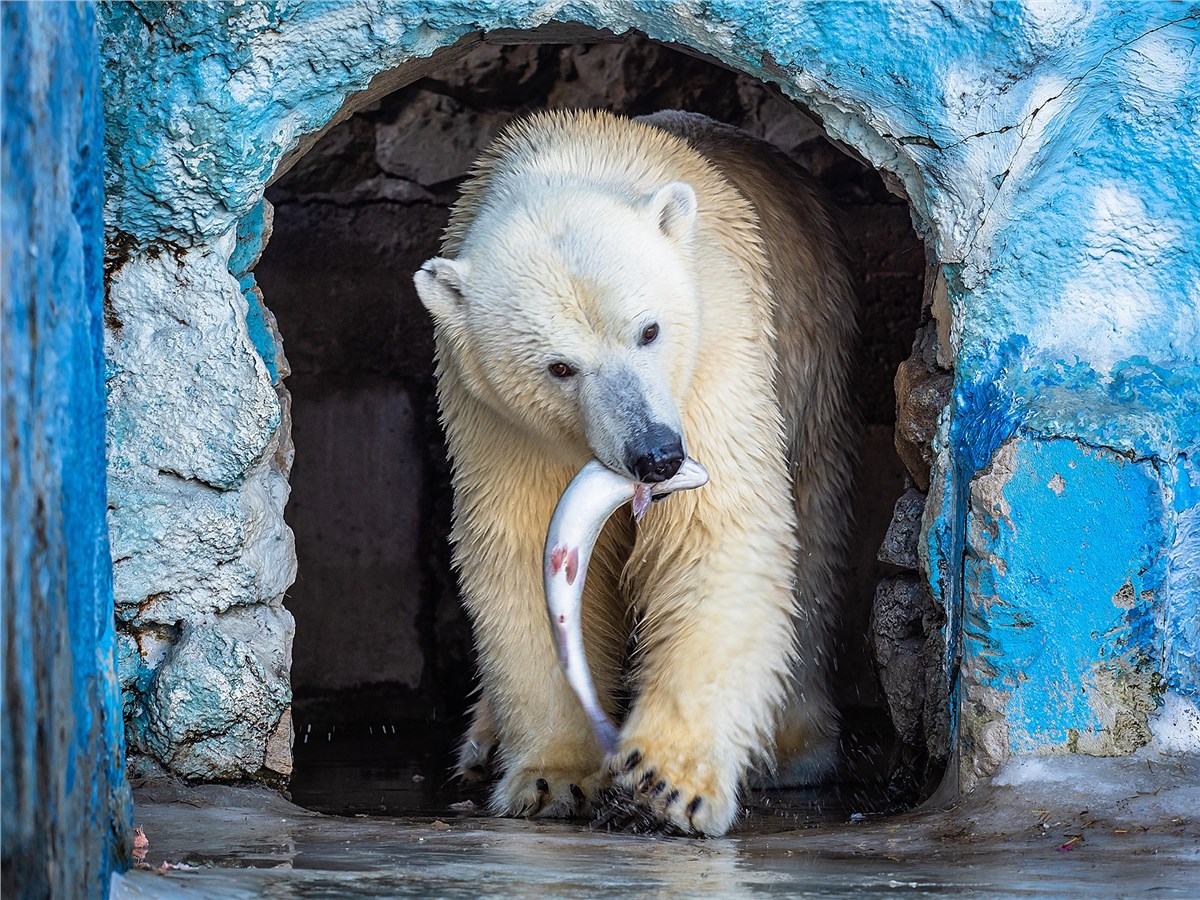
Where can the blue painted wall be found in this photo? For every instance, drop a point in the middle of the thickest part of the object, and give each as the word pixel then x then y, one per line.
pixel 1064 629
pixel 65 802
pixel 1049 152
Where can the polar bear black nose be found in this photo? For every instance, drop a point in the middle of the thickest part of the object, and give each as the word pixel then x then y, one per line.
pixel 662 460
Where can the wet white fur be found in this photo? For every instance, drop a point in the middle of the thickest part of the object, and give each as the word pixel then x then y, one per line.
pixel 575 231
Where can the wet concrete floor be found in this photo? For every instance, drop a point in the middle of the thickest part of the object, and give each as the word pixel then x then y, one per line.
pixel 1058 827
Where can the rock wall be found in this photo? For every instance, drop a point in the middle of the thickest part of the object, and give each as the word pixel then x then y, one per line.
pixel 197 481
pixel 66 807
pixel 1048 153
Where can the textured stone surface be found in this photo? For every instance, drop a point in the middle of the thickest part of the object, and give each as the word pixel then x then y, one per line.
pixel 66 810
pixel 899 545
pixel 923 390
pixel 197 485
pixel 1048 153
pixel 433 138
pixel 223 678
pixel 907 643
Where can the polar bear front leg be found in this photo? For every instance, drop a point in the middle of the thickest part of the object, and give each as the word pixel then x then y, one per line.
pixel 551 765
pixel 546 751
pixel 550 760
pixel 718 644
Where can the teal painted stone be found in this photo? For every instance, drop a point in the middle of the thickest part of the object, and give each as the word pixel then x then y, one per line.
pixel 253 232
pixel 224 678
pixel 1063 641
pixel 1048 152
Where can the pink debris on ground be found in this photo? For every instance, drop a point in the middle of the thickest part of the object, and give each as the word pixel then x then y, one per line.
pixel 141 844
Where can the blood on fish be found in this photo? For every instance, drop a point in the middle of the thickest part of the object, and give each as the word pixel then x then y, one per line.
pixel 562 620
pixel 572 565
pixel 557 556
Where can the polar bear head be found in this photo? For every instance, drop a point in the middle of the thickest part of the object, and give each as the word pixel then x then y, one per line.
pixel 572 312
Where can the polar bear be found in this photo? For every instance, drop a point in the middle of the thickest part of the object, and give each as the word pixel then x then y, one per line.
pixel 634 291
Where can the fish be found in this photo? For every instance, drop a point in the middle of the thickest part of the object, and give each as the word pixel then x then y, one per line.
pixel 589 500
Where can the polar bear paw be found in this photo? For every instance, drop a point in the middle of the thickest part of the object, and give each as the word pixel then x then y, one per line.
pixel 545 793
pixel 666 792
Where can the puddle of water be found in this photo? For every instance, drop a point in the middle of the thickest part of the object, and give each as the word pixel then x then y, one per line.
pixel 398 769
pixel 383 769
pixel 251 852
pixel 1057 827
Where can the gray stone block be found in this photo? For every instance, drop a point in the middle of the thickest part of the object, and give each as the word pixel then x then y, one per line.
pixel 227 675
pixel 899 545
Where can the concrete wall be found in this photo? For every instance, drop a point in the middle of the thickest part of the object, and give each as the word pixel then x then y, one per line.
pixel 66 806
pixel 1048 153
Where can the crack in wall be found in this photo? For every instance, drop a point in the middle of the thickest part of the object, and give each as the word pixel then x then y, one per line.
pixel 1028 120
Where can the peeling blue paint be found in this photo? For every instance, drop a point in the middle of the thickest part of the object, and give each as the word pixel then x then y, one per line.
pixel 1064 564
pixel 252 233
pixel 1180 615
pixel 66 806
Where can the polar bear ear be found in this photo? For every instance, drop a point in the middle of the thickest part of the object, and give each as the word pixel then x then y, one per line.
pixel 440 286
pixel 673 208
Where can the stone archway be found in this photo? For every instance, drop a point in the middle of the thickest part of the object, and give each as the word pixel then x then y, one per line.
pixel 999 146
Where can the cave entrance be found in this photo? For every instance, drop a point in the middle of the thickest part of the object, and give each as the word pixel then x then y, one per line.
pixel 382 660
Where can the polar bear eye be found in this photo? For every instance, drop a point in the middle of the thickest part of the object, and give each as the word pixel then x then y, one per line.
pixel 561 370
pixel 649 333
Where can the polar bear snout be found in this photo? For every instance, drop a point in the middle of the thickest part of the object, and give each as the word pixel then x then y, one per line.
pixel 656 456
pixel 632 422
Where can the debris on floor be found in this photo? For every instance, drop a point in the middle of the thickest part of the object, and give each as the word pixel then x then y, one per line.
pixel 1056 826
